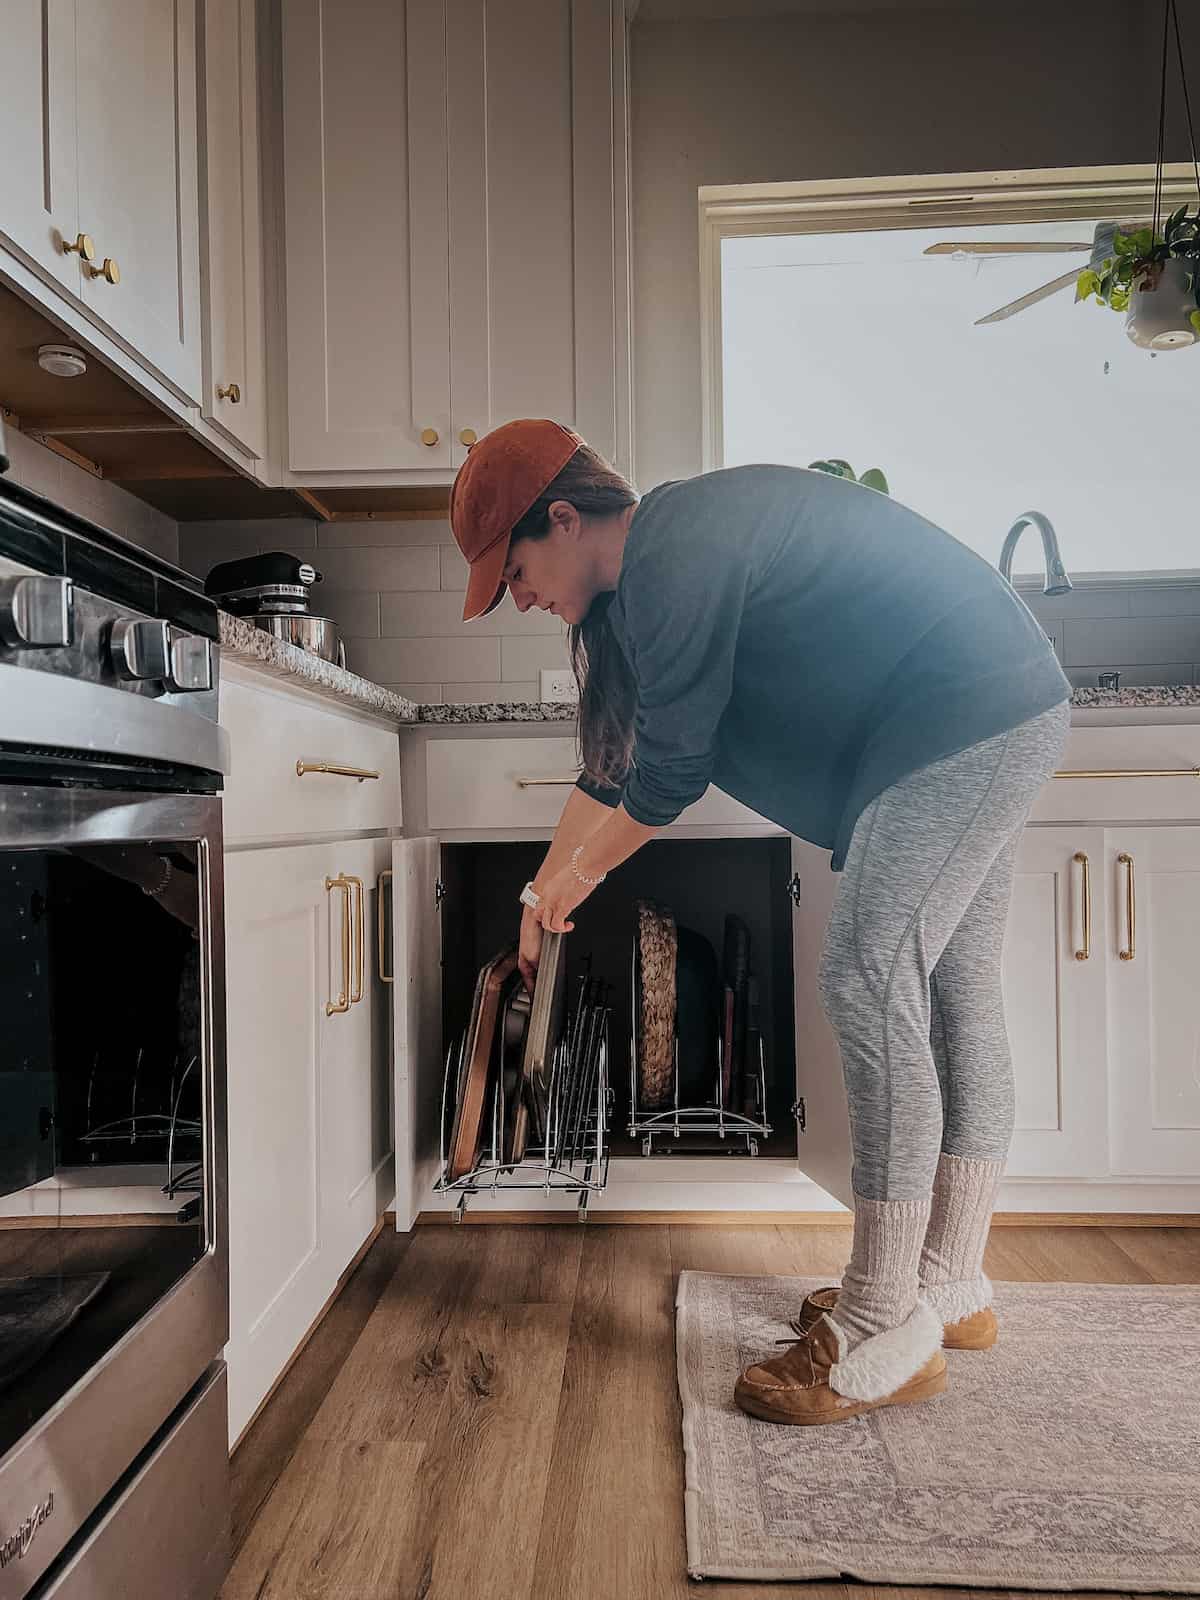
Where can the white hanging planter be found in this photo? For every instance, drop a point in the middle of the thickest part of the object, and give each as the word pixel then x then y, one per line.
pixel 1160 313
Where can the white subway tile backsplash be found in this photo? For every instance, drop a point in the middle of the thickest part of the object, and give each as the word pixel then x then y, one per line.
pixel 454 568
pixel 415 616
pixel 425 660
pixel 1183 601
pixel 1134 677
pixel 1079 603
pixel 356 612
pixel 384 535
pixel 424 694
pixel 397 567
pixel 523 659
pixel 487 693
pixel 47 473
pixel 1138 642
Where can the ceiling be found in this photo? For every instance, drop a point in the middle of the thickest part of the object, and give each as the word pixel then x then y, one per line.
pixel 104 425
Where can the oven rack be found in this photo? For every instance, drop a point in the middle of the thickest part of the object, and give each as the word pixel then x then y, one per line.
pixel 677 1120
pixel 156 1126
pixel 583 1172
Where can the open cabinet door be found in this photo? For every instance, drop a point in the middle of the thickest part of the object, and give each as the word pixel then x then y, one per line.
pixel 823 1145
pixel 417 1014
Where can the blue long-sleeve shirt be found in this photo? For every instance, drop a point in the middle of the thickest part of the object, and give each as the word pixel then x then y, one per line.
pixel 803 642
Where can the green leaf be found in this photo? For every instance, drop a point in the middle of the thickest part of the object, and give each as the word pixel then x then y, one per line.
pixel 1087 283
pixel 873 478
pixel 1175 219
pixel 1194 319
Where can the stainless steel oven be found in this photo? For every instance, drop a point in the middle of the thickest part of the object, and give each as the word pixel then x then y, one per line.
pixel 113 1251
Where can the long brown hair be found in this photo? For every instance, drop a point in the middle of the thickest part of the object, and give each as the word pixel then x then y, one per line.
pixel 607 689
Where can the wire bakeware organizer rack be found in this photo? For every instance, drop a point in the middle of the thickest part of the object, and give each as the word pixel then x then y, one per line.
pixel 714 1120
pixel 569 1150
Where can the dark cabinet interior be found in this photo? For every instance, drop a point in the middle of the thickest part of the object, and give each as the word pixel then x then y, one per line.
pixel 702 881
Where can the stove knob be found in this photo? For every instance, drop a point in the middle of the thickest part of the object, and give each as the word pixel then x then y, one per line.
pixel 37 613
pixel 140 649
pixel 191 661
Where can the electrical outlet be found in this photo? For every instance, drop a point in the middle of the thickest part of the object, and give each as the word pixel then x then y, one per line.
pixel 558 685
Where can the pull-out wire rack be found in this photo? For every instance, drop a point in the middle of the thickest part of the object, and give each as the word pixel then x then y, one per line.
pixel 573 1156
pixel 713 1121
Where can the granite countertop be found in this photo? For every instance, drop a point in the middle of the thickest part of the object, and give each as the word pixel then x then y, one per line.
pixel 242 641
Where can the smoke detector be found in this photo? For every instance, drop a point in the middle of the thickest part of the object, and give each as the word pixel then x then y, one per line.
pixel 62 360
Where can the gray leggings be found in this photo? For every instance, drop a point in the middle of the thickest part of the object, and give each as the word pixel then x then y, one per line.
pixel 910 973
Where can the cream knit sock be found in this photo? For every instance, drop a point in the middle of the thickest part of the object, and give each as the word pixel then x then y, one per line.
pixel 879 1286
pixel 951 1267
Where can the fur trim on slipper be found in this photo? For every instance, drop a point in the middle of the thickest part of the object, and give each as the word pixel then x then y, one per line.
pixel 954 1301
pixel 879 1365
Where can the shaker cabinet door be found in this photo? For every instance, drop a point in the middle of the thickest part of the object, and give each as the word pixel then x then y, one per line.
pixel 234 395
pixel 1153 877
pixel 538 247
pixel 368 323
pixel 39 208
pixel 1054 1004
pixel 278 917
pixel 138 198
pixel 357 1174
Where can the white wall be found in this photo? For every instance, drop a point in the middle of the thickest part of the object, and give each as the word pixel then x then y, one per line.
pixel 778 99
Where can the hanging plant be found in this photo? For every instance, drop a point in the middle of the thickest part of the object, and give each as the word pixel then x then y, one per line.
pixel 1139 260
pixel 872 478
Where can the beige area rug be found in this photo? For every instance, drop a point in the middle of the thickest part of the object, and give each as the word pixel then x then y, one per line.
pixel 1066 1457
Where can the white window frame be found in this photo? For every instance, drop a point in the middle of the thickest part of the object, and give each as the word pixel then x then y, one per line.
pixel 864 205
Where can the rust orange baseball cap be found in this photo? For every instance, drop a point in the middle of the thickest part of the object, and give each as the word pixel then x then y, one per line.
pixel 503 475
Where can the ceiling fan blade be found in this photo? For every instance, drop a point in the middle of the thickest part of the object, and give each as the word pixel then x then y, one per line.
pixel 1030 299
pixel 1016 247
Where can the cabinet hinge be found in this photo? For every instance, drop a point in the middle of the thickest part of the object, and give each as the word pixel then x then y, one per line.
pixel 439 893
pixel 800 1112
pixel 794 888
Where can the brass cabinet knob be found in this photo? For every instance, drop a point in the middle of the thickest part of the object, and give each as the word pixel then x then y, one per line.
pixel 231 392
pixel 108 270
pixel 468 437
pixel 429 436
pixel 83 245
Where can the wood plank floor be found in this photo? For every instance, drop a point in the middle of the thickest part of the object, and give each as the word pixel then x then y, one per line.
pixel 491 1413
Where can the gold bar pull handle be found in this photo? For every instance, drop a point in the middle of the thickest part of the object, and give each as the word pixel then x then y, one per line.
pixel 543 783
pixel 1084 864
pixel 361 773
pixel 382 894
pixel 1130 951
pixel 342 1003
pixel 360 928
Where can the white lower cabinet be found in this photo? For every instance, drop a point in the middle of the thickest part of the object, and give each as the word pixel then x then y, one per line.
pixel 309 1101
pixel 1054 975
pixel 1153 935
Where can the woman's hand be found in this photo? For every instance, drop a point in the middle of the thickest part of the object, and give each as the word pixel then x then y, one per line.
pixel 562 894
pixel 530 953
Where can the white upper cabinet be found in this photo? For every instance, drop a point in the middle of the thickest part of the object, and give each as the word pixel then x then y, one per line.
pixel 39 208
pixel 234 355
pixel 538 197
pixel 368 353
pixel 456 228
pixel 135 83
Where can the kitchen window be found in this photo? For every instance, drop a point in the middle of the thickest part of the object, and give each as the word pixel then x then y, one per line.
pixel 828 332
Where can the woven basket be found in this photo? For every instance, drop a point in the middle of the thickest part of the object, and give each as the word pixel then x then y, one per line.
pixel 655 1019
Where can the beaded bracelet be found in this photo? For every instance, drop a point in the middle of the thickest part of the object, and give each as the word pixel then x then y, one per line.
pixel 582 876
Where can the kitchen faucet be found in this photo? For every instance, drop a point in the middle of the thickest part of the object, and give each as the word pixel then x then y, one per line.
pixel 1057 581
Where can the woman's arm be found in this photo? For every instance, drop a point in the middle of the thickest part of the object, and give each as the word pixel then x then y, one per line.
pixel 581 817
